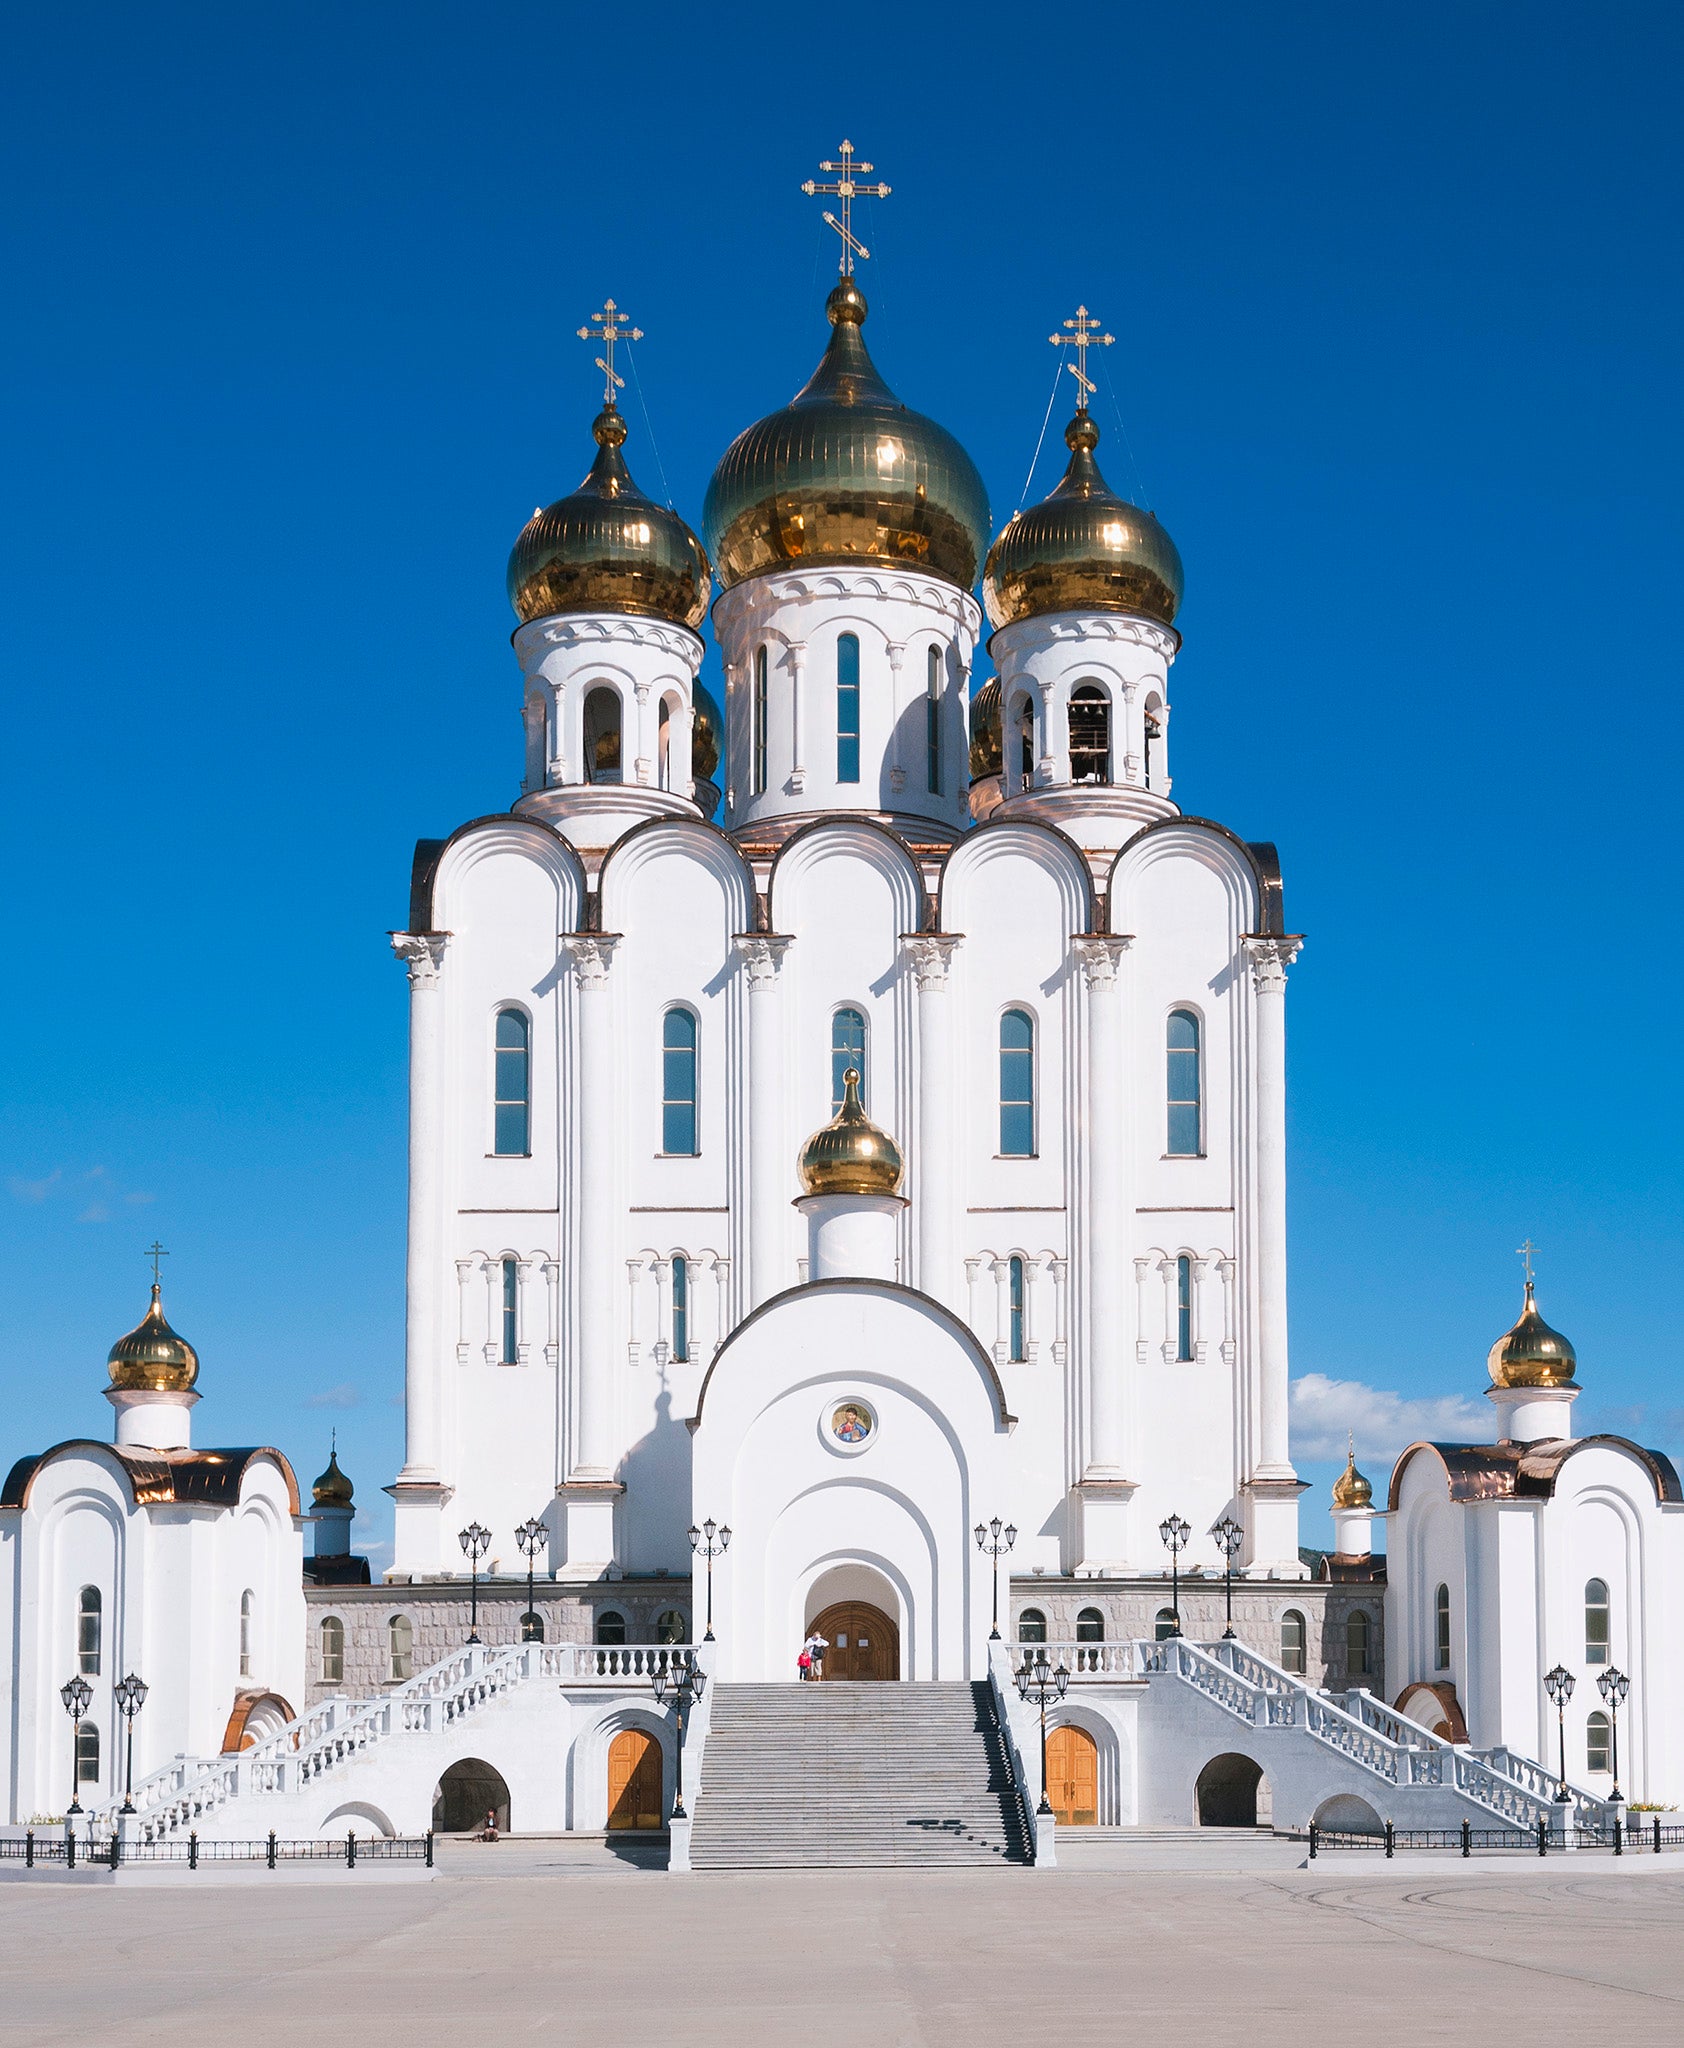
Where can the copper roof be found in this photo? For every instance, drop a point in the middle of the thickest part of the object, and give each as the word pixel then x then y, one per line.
pixel 1528 1471
pixel 160 1478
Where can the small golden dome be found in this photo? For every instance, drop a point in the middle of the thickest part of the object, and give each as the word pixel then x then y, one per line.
pixel 987 757
pixel 1351 1489
pixel 608 548
pixel 333 1489
pixel 152 1357
pixel 845 473
pixel 850 1155
pixel 1082 549
pixel 1532 1354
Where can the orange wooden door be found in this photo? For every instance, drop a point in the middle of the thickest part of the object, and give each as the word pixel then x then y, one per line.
pixel 634 1780
pixel 1073 1777
pixel 864 1642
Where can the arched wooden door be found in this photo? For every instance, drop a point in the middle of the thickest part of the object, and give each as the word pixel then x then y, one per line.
pixel 864 1642
pixel 634 1780
pixel 1073 1777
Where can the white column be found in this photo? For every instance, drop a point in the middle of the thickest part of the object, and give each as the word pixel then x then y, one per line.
pixel 1142 1282
pixel 421 953
pixel 1107 1231
pixel 1201 1347
pixel 1061 1310
pixel 896 651
pixel 663 1311
pixel 721 1301
pixel 1172 1307
pixel 771 1176
pixel 798 713
pixel 523 1340
pixel 464 1278
pixel 1001 1269
pixel 973 1296
pixel 634 1275
pixel 1270 958
pixel 1225 1272
pixel 552 1289
pixel 593 1437
pixel 643 771
pixel 931 954
pixel 493 1311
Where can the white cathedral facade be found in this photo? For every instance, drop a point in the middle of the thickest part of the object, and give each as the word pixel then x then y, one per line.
pixel 847 1117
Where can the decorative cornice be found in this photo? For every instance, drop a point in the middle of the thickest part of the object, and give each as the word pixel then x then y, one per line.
pixel 421 953
pixel 762 955
pixel 592 954
pixel 1270 958
pixel 931 955
pixel 599 629
pixel 1099 954
pixel 1050 628
pixel 759 595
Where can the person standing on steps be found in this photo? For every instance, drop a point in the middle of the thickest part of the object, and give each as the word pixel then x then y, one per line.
pixel 815 1647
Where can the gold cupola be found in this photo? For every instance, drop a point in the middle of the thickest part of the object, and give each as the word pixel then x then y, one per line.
pixel 850 1155
pixel 1082 549
pixel 1531 1354
pixel 333 1489
pixel 845 473
pixel 152 1358
pixel 1351 1489
pixel 607 548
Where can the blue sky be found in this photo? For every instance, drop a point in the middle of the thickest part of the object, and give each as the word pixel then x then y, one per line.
pixel 289 357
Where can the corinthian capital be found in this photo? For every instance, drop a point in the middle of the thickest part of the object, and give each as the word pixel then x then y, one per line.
pixel 592 954
pixel 762 955
pixel 931 954
pixel 421 953
pixel 1270 958
pixel 1099 953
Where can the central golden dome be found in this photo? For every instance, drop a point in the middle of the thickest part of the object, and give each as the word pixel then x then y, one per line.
pixel 152 1357
pixel 1532 1354
pixel 846 473
pixel 850 1155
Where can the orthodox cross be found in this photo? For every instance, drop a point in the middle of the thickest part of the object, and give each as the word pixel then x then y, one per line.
pixel 155 1251
pixel 608 327
pixel 1525 1252
pixel 847 188
pixel 1084 334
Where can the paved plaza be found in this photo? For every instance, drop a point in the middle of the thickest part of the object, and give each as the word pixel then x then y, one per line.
pixel 537 1942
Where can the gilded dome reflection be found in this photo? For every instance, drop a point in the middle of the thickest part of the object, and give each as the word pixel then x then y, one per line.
pixel 851 1155
pixel 1531 1354
pixel 152 1356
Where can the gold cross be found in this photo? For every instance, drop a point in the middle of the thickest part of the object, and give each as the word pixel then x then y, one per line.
pixel 847 188
pixel 1085 334
pixel 1525 1252
pixel 155 1251
pixel 608 327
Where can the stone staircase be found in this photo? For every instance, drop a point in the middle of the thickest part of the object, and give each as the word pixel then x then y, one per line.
pixel 834 1774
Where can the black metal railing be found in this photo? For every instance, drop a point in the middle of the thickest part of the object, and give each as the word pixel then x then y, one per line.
pixel 110 1852
pixel 1634 1835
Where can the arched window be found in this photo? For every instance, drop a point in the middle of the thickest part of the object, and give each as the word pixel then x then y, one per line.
pixel 847 1049
pixel 1017 1085
pixel 87 1752
pixel 610 1627
pixel 509 1319
pixel 400 1649
pixel 89 1623
pixel 602 735
pixel 1025 743
pixel 672 1627
pixel 1441 1629
pixel 1154 733
pixel 247 1603
pixel 1358 1635
pixel 331 1637
pixel 1032 1626
pixel 757 768
pixel 532 1626
pixel 1186 1135
pixel 681 1310
pixel 1596 1622
pixel 512 1131
pixel 1090 735
pixel 678 1083
pixel 932 720
pixel 1163 1626
pixel 1090 1626
pixel 847 708
pixel 1014 1290
pixel 1184 1308
pixel 1292 1642
pixel 664 744
pixel 1598 1740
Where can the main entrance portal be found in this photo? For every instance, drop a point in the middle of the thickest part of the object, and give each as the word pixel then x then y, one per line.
pixel 864 1642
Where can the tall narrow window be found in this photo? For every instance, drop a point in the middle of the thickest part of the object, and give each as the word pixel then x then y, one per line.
pixel 510 1315
pixel 1598 1741
pixel 1184 1308
pixel 681 1310
pixel 1596 1622
pixel 1186 1119
pixel 932 720
pixel 1441 1629
pixel 664 743
pixel 1358 1634
pixel 400 1649
pixel 89 1622
pixel 332 1637
pixel 1154 733
pixel 1293 1642
pixel 512 1135
pixel 1025 743
pixel 678 1083
pixel 247 1602
pixel 757 775
pixel 1017 1085
pixel 848 708
pixel 87 1753
pixel 1090 735
pixel 847 1049
pixel 602 736
pixel 1014 1287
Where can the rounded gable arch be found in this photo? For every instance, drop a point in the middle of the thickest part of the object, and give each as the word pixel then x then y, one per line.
pixel 714 853
pixel 1043 845
pixel 442 867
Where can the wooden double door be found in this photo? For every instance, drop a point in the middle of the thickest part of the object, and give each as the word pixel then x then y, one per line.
pixel 864 1641
pixel 1073 1777
pixel 634 1781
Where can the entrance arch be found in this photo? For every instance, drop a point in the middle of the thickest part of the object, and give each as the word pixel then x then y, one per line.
pixel 1226 1792
pixel 864 1641
pixel 634 1781
pixel 466 1793
pixel 1073 1777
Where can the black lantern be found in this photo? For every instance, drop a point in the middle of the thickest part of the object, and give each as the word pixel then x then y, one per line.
pixel 475 1540
pixel 75 1696
pixel 1038 1685
pixel 994 1539
pixel 1559 1685
pixel 532 1537
pixel 709 1541
pixel 131 1697
pixel 1229 1537
pixel 1613 1685
pixel 681 1686
pixel 1174 1532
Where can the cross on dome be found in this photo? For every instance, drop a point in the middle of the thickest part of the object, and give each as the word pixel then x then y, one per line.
pixel 608 327
pixel 155 1251
pixel 846 187
pixel 1085 334
pixel 1524 1252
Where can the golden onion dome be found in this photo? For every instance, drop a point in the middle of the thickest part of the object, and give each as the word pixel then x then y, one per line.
pixel 333 1489
pixel 846 473
pixel 850 1155
pixel 1351 1489
pixel 987 757
pixel 706 732
pixel 607 548
pixel 1082 549
pixel 152 1357
pixel 1531 1354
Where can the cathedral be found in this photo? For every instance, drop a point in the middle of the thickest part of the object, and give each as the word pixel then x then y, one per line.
pixel 847 1208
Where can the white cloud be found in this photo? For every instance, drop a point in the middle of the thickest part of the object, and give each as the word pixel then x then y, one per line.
pixel 342 1396
pixel 95 1212
pixel 1324 1409
pixel 34 1191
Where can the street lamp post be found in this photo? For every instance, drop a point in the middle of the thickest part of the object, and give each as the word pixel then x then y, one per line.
pixel 75 1696
pixel 475 1540
pixel 1038 1685
pixel 709 1541
pixel 681 1684
pixel 131 1697
pixel 1613 1685
pixel 1229 1536
pixel 1559 1685
pixel 1175 1532
pixel 994 1539
pixel 531 1536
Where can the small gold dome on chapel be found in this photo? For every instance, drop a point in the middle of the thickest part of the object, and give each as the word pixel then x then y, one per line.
pixel 1351 1489
pixel 152 1357
pixel 850 1155
pixel 1531 1354
pixel 333 1489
